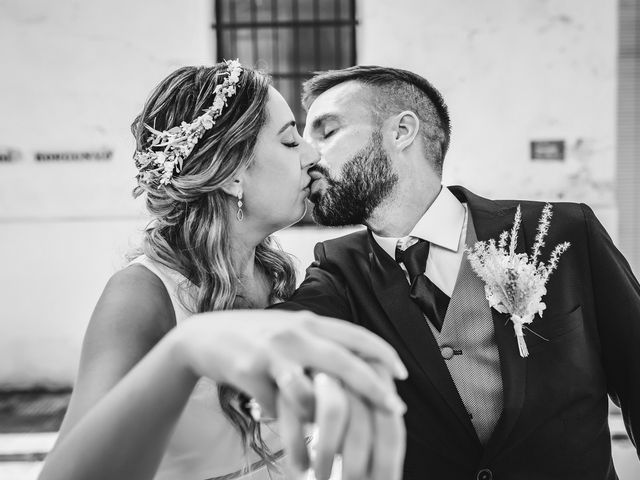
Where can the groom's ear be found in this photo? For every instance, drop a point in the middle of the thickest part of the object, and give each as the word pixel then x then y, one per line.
pixel 233 187
pixel 405 127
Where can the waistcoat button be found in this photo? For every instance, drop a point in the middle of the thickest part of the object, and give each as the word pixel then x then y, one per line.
pixel 446 352
pixel 485 474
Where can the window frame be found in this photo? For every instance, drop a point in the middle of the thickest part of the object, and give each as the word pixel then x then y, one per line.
pixel 339 20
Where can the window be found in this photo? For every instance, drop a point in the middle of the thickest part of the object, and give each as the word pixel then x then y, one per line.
pixel 288 38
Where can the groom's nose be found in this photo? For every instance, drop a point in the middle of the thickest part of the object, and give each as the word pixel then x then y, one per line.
pixel 306 133
pixel 309 156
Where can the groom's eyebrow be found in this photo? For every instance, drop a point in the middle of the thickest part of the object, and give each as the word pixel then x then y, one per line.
pixel 317 123
pixel 292 123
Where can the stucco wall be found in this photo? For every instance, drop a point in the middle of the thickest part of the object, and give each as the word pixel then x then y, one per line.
pixel 512 72
pixel 74 74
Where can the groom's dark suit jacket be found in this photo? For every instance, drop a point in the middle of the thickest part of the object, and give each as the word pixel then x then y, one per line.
pixel 554 421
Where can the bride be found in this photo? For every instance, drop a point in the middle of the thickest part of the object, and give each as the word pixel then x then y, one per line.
pixel 166 389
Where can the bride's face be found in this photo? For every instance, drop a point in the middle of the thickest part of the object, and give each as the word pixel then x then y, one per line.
pixel 276 185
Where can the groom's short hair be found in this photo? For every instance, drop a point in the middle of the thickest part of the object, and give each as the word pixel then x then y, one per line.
pixel 395 90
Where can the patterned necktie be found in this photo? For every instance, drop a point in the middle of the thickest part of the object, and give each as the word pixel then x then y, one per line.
pixel 432 301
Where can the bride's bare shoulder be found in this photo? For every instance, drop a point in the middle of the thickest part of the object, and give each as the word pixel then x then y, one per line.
pixel 136 301
pixel 133 313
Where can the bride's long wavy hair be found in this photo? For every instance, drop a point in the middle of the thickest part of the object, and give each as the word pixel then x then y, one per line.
pixel 188 231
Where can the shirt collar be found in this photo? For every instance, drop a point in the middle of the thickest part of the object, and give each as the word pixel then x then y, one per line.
pixel 441 224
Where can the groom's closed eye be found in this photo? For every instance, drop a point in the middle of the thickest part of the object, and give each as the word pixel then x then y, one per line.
pixel 328 132
pixel 325 125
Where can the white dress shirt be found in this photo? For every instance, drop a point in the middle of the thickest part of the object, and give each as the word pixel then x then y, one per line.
pixel 444 225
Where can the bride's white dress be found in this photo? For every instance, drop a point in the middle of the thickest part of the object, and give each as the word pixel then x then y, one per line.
pixel 205 445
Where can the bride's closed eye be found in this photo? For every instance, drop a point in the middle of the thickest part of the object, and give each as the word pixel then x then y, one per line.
pixel 292 142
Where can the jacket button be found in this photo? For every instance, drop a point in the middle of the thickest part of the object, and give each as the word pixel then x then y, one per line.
pixel 446 352
pixel 485 474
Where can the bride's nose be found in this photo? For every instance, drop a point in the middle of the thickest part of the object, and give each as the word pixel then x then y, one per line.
pixel 309 155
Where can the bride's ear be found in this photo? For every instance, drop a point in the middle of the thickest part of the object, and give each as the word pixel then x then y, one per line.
pixel 233 187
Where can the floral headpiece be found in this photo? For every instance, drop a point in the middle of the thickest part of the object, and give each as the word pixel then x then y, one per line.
pixel 178 142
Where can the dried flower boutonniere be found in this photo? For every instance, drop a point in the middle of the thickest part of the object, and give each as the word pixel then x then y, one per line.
pixel 514 282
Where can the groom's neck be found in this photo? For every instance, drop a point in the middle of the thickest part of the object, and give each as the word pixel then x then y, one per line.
pixel 396 216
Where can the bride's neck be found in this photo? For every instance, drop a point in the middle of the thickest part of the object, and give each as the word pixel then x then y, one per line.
pixel 244 238
pixel 243 257
pixel 254 290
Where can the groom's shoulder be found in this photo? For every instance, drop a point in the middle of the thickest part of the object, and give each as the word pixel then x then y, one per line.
pixel 346 246
pixel 566 215
pixel 569 210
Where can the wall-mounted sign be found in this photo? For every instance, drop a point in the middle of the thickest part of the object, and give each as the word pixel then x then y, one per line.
pixel 9 155
pixel 547 150
pixel 86 156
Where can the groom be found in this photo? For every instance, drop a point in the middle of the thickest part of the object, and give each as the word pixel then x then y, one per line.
pixel 477 409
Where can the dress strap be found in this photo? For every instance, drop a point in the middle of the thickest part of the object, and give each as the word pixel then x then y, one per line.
pixel 176 284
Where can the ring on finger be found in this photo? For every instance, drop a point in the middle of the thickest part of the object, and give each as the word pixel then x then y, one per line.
pixel 250 407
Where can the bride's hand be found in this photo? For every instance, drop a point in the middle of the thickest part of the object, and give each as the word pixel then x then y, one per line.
pixel 371 441
pixel 267 355
pixel 260 352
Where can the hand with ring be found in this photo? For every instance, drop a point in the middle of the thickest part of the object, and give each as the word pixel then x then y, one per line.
pixel 369 440
pixel 295 366
pixel 350 395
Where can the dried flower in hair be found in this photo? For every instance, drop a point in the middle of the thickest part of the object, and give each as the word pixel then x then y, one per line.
pixel 177 143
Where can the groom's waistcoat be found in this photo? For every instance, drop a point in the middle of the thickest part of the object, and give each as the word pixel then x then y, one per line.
pixel 468 347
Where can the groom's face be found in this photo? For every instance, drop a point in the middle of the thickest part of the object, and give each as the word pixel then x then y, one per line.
pixel 354 174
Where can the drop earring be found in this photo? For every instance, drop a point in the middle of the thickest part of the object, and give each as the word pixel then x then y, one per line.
pixel 240 213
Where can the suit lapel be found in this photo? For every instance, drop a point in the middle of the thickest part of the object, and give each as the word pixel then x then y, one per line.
pixel 392 290
pixel 490 220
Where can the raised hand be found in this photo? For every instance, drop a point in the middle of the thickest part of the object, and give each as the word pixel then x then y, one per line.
pixel 256 350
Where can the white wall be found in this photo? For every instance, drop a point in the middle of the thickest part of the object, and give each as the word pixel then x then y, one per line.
pixel 512 72
pixel 74 74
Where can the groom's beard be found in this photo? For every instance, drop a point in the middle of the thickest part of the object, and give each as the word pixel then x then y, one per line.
pixel 365 181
